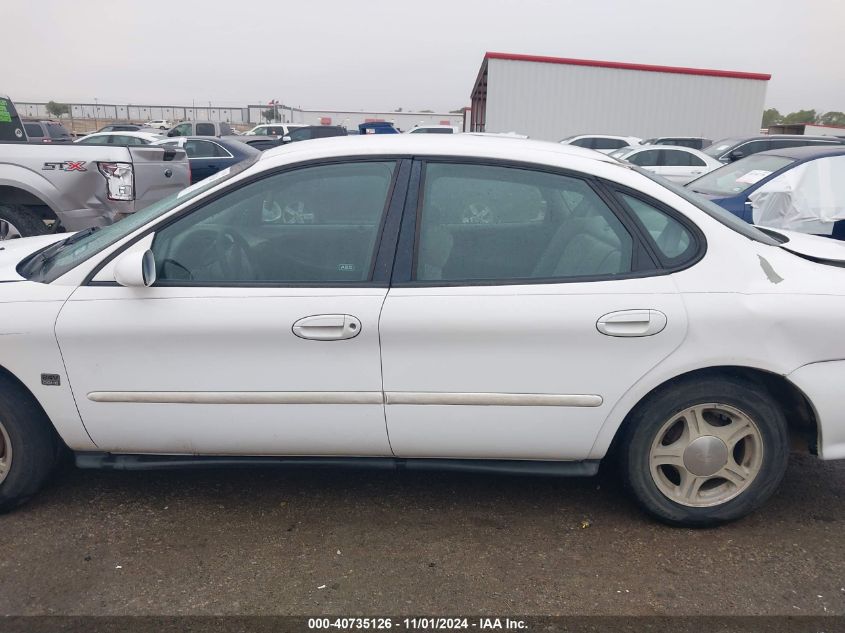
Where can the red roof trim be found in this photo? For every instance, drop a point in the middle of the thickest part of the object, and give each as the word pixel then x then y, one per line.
pixel 625 66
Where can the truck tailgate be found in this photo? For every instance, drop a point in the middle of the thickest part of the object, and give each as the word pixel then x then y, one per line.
pixel 152 182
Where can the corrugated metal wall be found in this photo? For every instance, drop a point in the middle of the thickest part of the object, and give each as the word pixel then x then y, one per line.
pixel 550 101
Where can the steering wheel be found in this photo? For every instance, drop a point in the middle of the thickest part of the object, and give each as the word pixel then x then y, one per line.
pixel 213 254
pixel 478 213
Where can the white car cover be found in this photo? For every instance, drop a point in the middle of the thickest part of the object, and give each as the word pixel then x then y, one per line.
pixel 807 199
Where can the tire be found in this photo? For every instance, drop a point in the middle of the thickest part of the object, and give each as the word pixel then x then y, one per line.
pixel 19 221
pixel 35 448
pixel 657 470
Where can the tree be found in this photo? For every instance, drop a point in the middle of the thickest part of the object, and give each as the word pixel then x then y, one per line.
pixel 57 109
pixel 771 117
pixel 831 118
pixel 802 116
pixel 269 115
pixel 398 110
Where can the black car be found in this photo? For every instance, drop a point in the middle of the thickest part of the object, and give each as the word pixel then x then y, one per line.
pixel 313 131
pixel 210 154
pixel 730 149
pixel 46 131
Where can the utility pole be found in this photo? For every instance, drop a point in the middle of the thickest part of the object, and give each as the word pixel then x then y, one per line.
pixel 96 111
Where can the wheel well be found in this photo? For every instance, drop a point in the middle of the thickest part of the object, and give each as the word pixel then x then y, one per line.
pixel 17 196
pixel 800 417
pixel 9 380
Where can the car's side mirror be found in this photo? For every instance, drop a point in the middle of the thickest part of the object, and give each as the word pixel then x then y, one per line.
pixel 286 139
pixel 736 155
pixel 135 269
pixel 173 133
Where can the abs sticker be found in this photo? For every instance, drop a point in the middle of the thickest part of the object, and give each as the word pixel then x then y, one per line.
pixel 346 268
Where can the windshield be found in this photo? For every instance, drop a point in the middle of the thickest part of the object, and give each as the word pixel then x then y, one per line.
pixel 57 259
pixel 734 178
pixel 720 147
pixel 621 153
pixel 713 210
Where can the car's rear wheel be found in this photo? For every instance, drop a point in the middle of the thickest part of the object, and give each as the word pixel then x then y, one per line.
pixel 19 221
pixel 706 451
pixel 28 446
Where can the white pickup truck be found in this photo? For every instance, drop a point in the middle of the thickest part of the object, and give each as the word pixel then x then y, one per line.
pixel 51 188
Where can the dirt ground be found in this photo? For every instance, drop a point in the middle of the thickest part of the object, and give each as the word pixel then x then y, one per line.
pixel 350 542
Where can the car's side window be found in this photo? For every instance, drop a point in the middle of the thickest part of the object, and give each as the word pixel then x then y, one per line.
pixel 583 142
pixel 675 158
pixel 205 129
pixel 492 223
pixel 671 238
pixel 646 158
pixel 317 224
pixel 608 143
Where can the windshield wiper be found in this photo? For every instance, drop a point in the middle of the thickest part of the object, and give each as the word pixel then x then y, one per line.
pixel 29 267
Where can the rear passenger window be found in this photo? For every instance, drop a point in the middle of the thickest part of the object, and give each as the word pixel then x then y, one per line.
pixel 33 129
pixel 480 222
pixel 672 239
pixel 205 129
pixel 676 158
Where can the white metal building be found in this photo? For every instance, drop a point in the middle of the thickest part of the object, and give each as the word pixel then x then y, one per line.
pixel 352 118
pixel 550 98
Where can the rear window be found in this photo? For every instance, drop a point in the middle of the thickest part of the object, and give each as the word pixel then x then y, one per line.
pixel 56 130
pixel 734 178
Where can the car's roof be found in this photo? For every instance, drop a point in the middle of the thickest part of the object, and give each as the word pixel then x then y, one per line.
pixel 494 147
pixel 806 152
pixel 679 148
pixel 137 133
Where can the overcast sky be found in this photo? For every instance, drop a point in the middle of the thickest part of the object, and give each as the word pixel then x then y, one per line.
pixel 385 54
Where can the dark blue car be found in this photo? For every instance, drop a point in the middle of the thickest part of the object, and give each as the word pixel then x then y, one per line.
pixel 210 154
pixel 730 186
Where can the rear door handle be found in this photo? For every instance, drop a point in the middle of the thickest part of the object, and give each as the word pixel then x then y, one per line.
pixel 632 323
pixel 327 327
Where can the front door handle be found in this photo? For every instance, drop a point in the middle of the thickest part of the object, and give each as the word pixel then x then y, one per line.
pixel 327 327
pixel 632 323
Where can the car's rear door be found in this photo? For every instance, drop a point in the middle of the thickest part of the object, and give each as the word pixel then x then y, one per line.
pixel 524 303
pixel 260 335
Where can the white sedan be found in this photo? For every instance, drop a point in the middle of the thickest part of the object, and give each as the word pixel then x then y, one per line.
pixel 604 143
pixel 120 138
pixel 450 302
pixel 675 163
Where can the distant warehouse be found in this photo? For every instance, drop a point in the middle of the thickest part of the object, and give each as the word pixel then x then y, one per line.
pixel 550 98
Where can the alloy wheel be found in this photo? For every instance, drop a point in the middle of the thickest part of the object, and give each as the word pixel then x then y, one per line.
pixel 706 455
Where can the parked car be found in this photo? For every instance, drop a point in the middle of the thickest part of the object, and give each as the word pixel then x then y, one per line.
pixel 693 142
pixel 209 154
pixel 46 131
pixel 604 143
pixel 731 149
pixel 274 129
pixel 676 163
pixel 119 138
pixel 159 124
pixel 201 128
pixel 74 186
pixel 433 129
pixel 121 127
pixel 800 189
pixel 485 304
pixel 313 131
pixel 377 127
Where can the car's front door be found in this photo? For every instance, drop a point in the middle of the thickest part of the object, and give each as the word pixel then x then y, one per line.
pixel 529 306
pixel 260 335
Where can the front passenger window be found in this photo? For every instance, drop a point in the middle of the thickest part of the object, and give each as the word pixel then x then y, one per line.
pixel 316 224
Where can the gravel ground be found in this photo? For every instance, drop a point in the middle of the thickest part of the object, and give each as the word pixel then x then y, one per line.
pixel 349 542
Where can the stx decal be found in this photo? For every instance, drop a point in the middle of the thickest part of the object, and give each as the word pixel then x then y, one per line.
pixel 67 165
